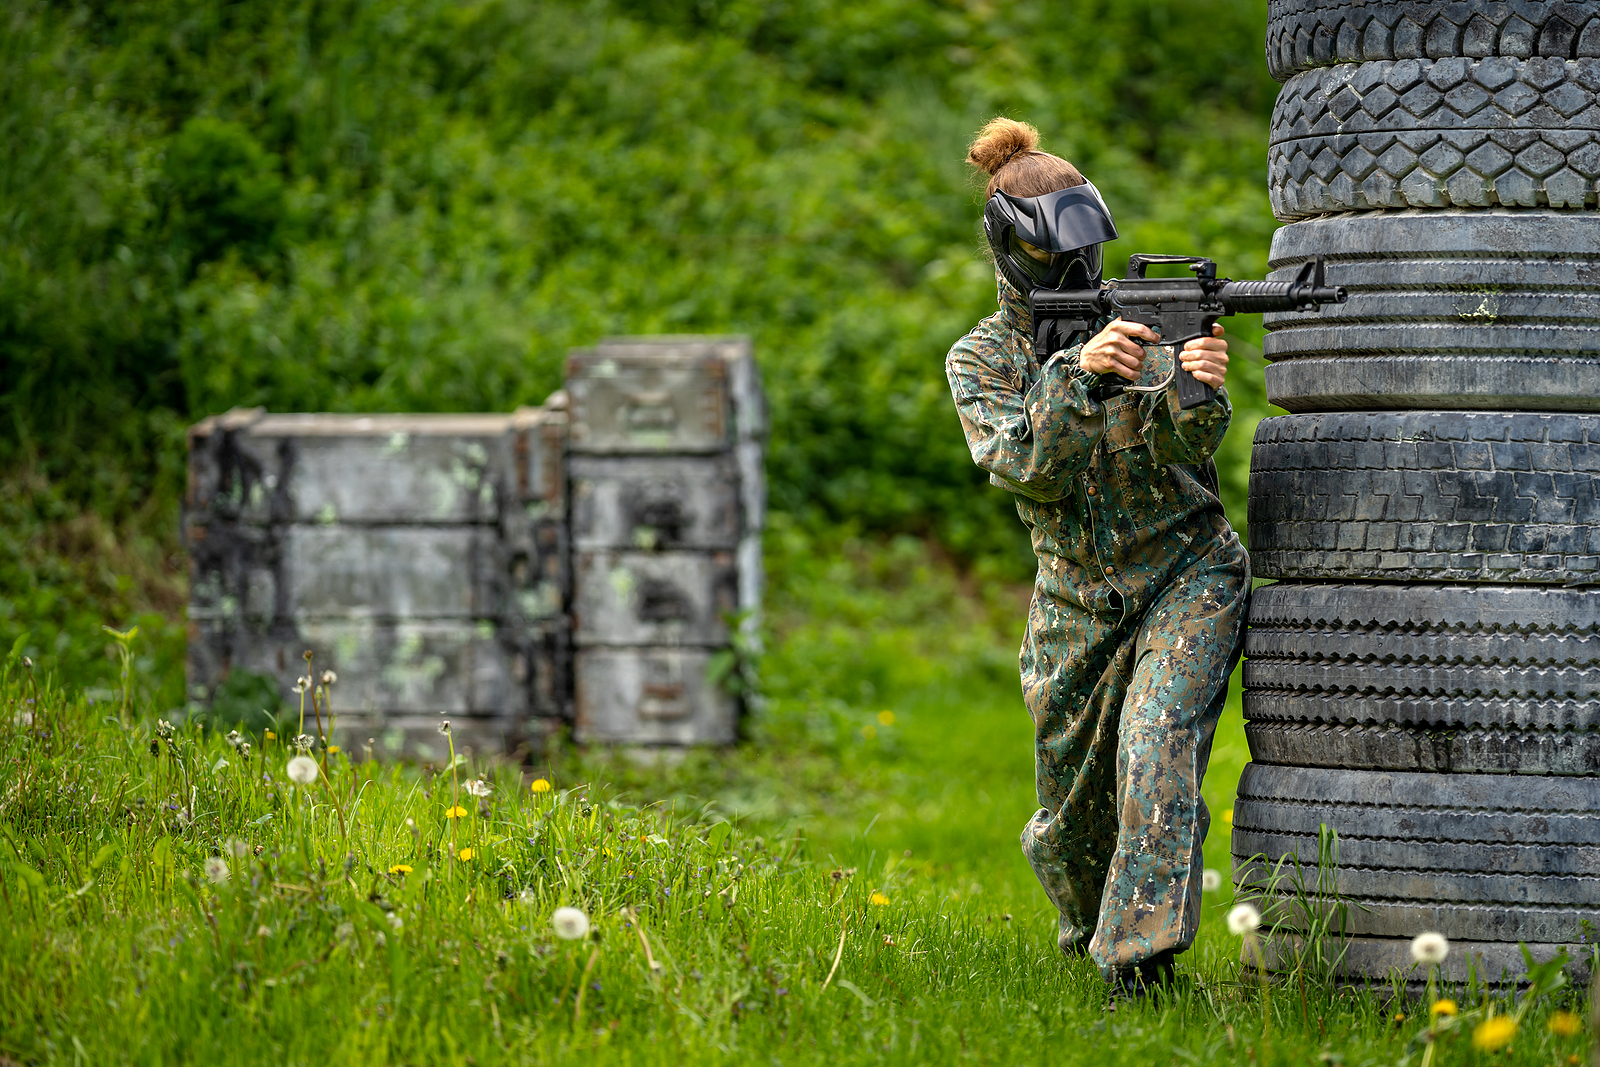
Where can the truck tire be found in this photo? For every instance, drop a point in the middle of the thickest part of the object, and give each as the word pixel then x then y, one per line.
pixel 1446 309
pixel 1436 133
pixel 1476 857
pixel 1438 496
pixel 1483 679
pixel 1302 34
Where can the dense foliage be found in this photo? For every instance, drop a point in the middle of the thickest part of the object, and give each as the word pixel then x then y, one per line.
pixel 423 204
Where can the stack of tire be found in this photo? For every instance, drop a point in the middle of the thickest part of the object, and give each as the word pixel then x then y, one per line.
pixel 1424 675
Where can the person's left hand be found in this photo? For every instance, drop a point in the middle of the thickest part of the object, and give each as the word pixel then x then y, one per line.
pixel 1207 358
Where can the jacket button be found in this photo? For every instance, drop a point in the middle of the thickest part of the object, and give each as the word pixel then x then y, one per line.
pixel 1091 490
pixel 1110 571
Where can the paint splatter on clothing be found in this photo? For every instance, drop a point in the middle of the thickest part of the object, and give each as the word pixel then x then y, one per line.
pixel 1134 627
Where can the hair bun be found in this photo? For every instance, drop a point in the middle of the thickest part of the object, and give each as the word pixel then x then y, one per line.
pixel 999 141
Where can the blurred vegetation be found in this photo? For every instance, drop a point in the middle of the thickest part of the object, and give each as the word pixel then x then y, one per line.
pixel 422 205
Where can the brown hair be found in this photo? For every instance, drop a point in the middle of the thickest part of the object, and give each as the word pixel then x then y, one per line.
pixel 1008 151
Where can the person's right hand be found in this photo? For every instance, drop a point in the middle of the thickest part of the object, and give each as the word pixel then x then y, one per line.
pixel 1116 350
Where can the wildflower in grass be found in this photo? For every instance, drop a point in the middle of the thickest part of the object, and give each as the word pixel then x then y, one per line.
pixel 304 742
pixel 478 787
pixel 302 770
pixel 240 849
pixel 235 739
pixel 466 854
pixel 456 812
pixel 1210 880
pixel 328 677
pixel 216 869
pixel 879 899
pixel 163 729
pixel 1565 1024
pixel 244 749
pixel 1243 919
pixel 1429 948
pixel 444 726
pixel 334 750
pixel 539 786
pixel 344 930
pixel 400 868
pixel 1442 1007
pixel 885 718
pixel 301 684
pixel 1494 1033
pixel 569 923
pixel 269 735
pixel 263 931
pixel 22 718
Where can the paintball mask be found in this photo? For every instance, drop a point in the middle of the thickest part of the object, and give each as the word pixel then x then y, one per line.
pixel 1051 241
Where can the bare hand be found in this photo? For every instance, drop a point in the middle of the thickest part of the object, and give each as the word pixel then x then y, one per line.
pixel 1207 358
pixel 1116 350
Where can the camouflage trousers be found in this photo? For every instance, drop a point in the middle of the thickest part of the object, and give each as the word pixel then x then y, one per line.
pixel 1123 734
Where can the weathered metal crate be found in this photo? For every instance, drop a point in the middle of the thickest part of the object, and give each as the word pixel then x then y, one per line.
pixel 668 498
pixel 422 557
pixel 495 570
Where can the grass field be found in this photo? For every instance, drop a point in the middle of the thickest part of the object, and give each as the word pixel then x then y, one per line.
pixel 174 899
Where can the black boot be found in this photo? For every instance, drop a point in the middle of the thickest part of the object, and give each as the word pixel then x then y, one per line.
pixel 1143 979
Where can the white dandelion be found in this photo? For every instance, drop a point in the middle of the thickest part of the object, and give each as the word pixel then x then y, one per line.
pixel 1210 880
pixel 396 923
pixel 240 849
pixel 570 923
pixel 478 787
pixel 217 870
pixel 301 684
pixel 304 742
pixel 302 770
pixel 328 677
pixel 235 738
pixel 1429 948
pixel 1243 919
pixel 444 726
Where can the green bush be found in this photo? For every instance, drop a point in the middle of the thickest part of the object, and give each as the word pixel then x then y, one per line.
pixel 422 205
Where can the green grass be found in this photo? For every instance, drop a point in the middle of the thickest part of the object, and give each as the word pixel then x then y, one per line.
pixel 115 947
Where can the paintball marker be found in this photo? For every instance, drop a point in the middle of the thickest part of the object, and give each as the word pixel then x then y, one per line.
pixel 1179 309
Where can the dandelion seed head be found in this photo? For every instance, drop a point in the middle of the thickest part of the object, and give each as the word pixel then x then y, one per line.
pixel 344 930
pixel 263 931
pixel 1243 919
pixel 302 770
pixel 235 739
pixel 328 677
pixel 396 923
pixel 304 742
pixel 569 923
pixel 240 849
pixel 1210 880
pixel 216 869
pixel 22 718
pixel 1429 948
pixel 244 748
pixel 478 787
pixel 444 726
pixel 301 684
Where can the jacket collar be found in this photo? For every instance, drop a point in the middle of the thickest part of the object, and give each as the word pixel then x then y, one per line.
pixel 1014 308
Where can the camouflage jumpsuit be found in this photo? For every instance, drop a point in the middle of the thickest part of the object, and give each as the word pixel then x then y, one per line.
pixel 1135 624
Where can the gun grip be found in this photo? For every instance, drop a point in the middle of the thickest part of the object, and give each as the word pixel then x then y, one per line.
pixel 1192 392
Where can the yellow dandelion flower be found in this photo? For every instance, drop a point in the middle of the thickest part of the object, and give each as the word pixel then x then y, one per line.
pixel 333 750
pixel 879 899
pixel 1442 1007
pixel 885 718
pixel 1494 1033
pixel 457 812
pixel 466 854
pixel 1565 1024
pixel 270 736
pixel 607 851
pixel 540 786
pixel 400 868
pixel 869 731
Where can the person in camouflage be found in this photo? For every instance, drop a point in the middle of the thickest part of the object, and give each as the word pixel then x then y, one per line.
pixel 1138 605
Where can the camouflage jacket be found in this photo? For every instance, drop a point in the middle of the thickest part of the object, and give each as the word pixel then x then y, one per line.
pixel 1097 483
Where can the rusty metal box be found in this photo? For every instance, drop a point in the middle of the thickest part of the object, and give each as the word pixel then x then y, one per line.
pixel 652 503
pixel 654 598
pixel 652 696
